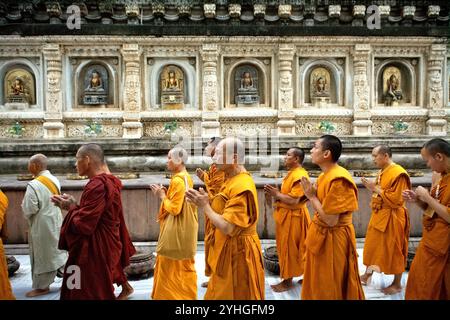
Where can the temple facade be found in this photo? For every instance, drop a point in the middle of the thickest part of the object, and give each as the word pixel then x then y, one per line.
pixel 290 68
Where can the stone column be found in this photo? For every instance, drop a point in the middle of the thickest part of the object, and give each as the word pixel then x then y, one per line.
pixel 132 101
pixel 362 125
pixel 286 116
pixel 210 91
pixel 53 126
pixel 437 123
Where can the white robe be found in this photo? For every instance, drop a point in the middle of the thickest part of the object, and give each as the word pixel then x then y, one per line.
pixel 44 220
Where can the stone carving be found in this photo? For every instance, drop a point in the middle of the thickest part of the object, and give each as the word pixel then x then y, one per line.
pixel 310 127
pixel 246 82
pixel 319 87
pixel 392 86
pixel 19 88
pixel 95 85
pixel 383 127
pixel 172 88
pixel 108 130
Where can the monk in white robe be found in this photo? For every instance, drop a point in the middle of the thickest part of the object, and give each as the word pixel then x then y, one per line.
pixel 44 220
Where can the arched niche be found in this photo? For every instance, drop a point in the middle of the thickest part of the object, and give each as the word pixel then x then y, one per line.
pixel 331 76
pixel 94 85
pixel 172 91
pixel 18 88
pixel 395 79
pixel 155 74
pixel 246 84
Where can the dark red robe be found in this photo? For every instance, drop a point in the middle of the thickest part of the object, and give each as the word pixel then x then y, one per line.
pixel 96 237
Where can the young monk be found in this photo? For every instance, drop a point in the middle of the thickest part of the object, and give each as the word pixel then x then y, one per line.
pixel 331 265
pixel 5 286
pixel 291 219
pixel 429 276
pixel 174 279
pixel 386 244
pixel 235 257
pixel 213 180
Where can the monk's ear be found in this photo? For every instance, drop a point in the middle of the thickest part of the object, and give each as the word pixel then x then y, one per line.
pixel 439 156
pixel 327 154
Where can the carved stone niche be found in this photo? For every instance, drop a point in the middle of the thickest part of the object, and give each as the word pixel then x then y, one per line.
pixel 396 82
pixel 19 88
pixel 322 84
pixel 172 88
pixel 246 83
pixel 94 83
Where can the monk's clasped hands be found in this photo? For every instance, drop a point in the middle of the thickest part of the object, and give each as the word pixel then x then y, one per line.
pixel 159 190
pixel 199 198
pixel 308 188
pixel 63 201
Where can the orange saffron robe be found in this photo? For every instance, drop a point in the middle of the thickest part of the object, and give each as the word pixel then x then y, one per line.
pixel 386 244
pixel 429 276
pixel 292 223
pixel 174 279
pixel 331 264
pixel 236 259
pixel 5 286
pixel 213 180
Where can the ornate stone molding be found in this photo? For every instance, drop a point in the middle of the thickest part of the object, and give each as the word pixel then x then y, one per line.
pixel 359 11
pixel 408 11
pixel 436 61
pixel 234 10
pixel 323 51
pixel 286 54
pixel 403 51
pixel 361 90
pixel 99 51
pixel 53 103
pixel 334 11
pixel 284 11
pixel 209 10
pixel 20 50
pixel 210 91
pixel 433 11
pixel 132 92
pixel 259 10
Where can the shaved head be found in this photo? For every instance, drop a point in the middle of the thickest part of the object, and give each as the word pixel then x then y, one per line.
pixel 232 146
pixel 299 153
pixel 40 161
pixel 94 151
pixel 437 145
pixel 383 149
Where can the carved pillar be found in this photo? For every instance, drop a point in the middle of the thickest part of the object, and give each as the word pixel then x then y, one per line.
pixel 53 126
pixel 362 125
pixel 437 123
pixel 286 116
pixel 210 93
pixel 132 101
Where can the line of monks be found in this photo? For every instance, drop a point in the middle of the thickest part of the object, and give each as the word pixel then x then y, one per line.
pixel 321 249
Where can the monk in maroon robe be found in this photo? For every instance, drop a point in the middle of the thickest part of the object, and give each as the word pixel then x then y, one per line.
pixel 94 233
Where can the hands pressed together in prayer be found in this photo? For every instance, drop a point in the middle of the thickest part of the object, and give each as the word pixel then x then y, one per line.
pixel 159 190
pixel 200 174
pixel 370 185
pixel 199 198
pixel 63 201
pixel 309 188
pixel 420 194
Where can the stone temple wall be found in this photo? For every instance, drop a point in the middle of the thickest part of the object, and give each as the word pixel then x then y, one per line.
pixel 356 68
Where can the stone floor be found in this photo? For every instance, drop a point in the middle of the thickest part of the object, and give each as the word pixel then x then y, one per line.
pixel 21 283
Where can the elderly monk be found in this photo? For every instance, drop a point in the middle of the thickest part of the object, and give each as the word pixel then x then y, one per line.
pixel 174 279
pixel 291 219
pixel 5 285
pixel 94 232
pixel 331 265
pixel 213 180
pixel 429 276
pixel 44 220
pixel 386 244
pixel 235 257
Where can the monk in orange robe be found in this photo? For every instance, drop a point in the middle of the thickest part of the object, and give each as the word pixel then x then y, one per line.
pixel 235 255
pixel 291 219
pixel 5 286
pixel 331 264
pixel 174 279
pixel 386 244
pixel 213 180
pixel 429 276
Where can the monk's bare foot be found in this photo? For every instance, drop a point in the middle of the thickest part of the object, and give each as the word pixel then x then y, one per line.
pixel 392 289
pixel 284 285
pixel 37 292
pixel 127 290
pixel 205 284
